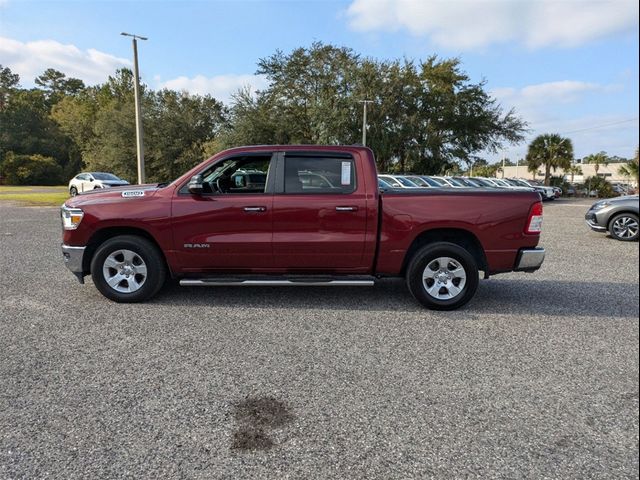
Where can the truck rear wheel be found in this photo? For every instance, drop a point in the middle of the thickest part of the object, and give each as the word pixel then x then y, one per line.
pixel 128 269
pixel 442 276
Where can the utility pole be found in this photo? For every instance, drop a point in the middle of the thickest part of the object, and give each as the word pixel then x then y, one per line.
pixel 503 167
pixel 364 121
pixel 136 92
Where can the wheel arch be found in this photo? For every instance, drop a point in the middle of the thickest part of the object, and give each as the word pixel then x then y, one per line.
pixel 459 236
pixel 104 234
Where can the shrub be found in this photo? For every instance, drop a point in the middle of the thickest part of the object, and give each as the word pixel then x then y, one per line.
pixel 556 181
pixel 30 170
pixel 600 185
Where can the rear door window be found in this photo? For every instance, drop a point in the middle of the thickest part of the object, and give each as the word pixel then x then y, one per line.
pixel 319 175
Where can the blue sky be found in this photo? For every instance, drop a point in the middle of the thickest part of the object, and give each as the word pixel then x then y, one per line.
pixel 566 66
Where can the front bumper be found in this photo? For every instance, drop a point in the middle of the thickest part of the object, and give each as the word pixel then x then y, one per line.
pixel 73 260
pixel 592 221
pixel 529 259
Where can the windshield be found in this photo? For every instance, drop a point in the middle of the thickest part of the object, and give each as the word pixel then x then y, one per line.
pixel 511 182
pixel 483 182
pixel 392 182
pixel 430 181
pixel 523 183
pixel 406 182
pixel 419 181
pixel 441 183
pixel 466 181
pixel 455 182
pixel 104 176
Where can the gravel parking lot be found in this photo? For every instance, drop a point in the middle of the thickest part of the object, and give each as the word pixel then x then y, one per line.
pixel 536 378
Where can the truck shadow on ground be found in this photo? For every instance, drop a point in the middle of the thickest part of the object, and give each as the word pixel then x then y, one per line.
pixel 534 297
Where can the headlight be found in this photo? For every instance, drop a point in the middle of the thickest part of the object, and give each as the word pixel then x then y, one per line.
pixel 71 217
pixel 600 205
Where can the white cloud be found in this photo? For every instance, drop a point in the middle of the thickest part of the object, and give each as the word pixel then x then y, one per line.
pixel 222 87
pixel 30 59
pixel 471 24
pixel 541 95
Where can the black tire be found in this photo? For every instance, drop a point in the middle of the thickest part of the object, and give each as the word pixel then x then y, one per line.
pixel 145 252
pixel 73 191
pixel 425 258
pixel 624 235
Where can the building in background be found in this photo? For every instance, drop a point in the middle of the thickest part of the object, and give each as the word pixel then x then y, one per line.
pixel 609 171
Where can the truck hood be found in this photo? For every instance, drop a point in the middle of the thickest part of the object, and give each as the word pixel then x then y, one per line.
pixel 125 193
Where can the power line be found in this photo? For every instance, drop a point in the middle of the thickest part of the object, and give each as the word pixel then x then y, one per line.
pixel 602 126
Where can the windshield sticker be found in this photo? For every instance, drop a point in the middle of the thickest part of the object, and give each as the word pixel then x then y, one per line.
pixel 346 173
pixel 133 193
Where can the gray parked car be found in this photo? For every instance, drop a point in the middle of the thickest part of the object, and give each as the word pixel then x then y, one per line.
pixel 618 216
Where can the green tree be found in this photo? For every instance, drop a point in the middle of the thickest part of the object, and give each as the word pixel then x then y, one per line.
pixel 631 168
pixel 550 151
pixel 597 159
pixel 9 82
pixel 31 170
pixel 179 127
pixel 573 170
pixel 457 118
pixel 101 122
pixel 26 128
pixel 424 117
pixel 56 85
pixel 600 185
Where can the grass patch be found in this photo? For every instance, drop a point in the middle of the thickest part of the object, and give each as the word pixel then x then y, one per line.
pixel 36 198
pixel 34 194
pixel 31 188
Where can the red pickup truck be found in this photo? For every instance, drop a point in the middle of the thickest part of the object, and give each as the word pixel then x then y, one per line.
pixel 298 215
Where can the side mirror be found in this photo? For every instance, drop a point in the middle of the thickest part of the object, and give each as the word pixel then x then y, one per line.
pixel 91 179
pixel 195 185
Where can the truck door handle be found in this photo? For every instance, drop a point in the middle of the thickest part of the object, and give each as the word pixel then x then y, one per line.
pixel 346 209
pixel 255 209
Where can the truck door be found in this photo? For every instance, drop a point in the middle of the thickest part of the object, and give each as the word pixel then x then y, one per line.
pixel 319 213
pixel 229 226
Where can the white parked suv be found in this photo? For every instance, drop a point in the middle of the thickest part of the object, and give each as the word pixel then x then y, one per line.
pixel 83 182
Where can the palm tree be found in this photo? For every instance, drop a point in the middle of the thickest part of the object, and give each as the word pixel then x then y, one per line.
pixel 551 151
pixel 631 168
pixel 597 159
pixel 574 170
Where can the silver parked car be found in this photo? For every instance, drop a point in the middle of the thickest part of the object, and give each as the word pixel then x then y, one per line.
pixel 618 216
pixel 86 181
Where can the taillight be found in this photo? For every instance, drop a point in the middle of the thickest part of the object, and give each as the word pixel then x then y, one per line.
pixel 534 223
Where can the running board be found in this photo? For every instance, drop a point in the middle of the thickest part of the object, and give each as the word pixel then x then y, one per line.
pixel 279 282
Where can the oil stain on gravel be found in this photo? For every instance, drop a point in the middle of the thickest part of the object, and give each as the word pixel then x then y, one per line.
pixel 255 418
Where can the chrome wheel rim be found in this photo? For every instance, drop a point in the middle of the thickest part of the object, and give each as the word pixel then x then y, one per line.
pixel 124 271
pixel 444 278
pixel 625 227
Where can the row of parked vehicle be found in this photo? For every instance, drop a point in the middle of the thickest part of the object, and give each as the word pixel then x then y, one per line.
pixel 424 181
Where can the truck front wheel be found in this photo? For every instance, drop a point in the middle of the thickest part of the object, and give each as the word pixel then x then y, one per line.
pixel 128 269
pixel 442 276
